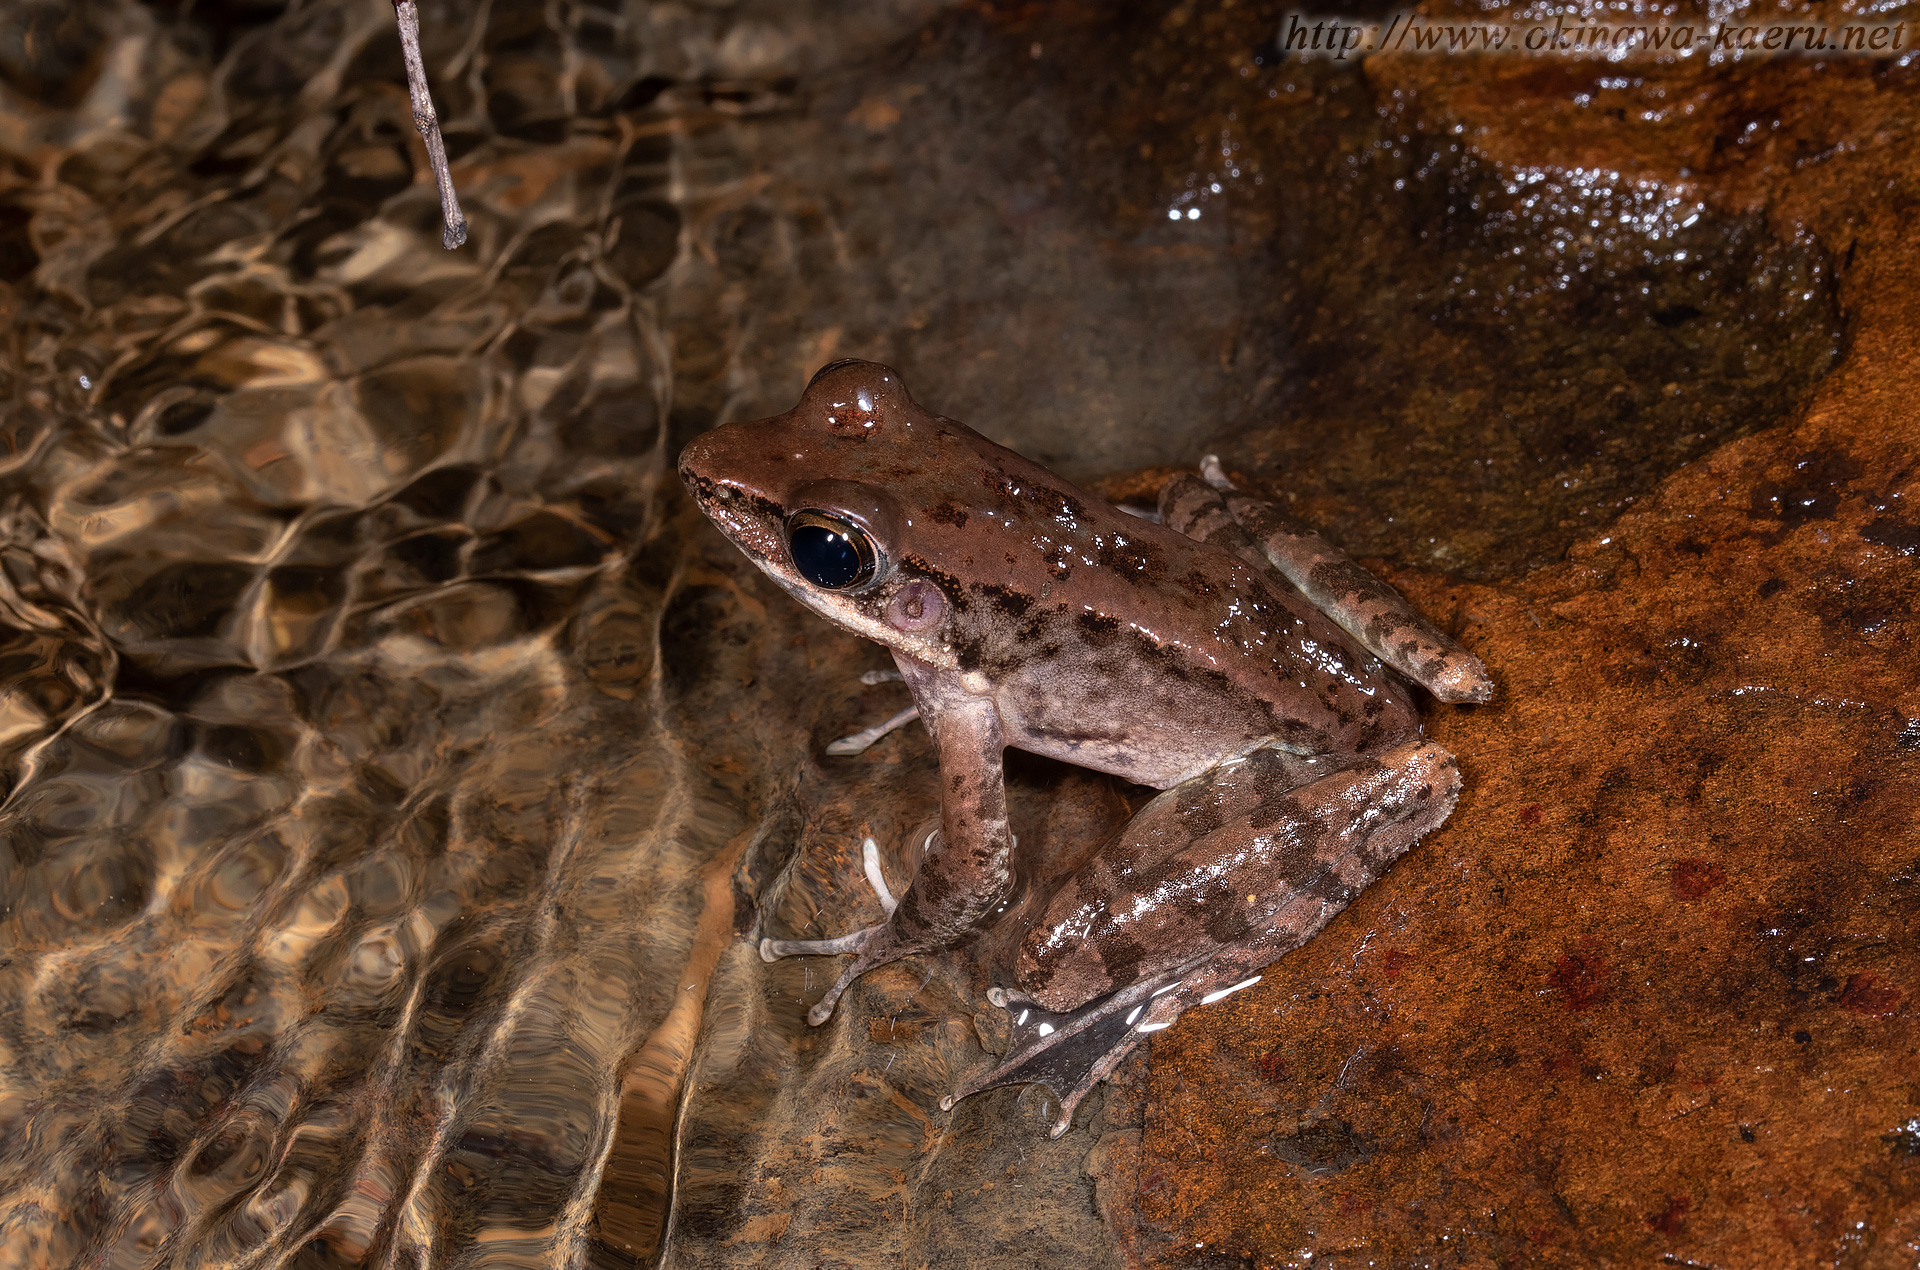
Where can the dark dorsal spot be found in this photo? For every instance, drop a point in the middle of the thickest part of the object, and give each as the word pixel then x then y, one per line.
pixel 1197 583
pixel 947 514
pixel 1052 503
pixel 1098 629
pixel 1121 954
pixel 1059 505
pixel 1129 557
pixel 1197 808
pixel 1226 923
pixel 1005 600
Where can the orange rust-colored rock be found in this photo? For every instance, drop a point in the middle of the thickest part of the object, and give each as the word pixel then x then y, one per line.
pixel 1650 995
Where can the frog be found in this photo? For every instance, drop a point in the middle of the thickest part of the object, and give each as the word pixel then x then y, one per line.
pixel 1212 649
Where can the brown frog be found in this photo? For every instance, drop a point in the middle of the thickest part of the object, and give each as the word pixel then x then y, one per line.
pixel 1239 662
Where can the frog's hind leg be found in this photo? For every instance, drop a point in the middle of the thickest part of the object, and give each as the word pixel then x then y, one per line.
pixel 1071 1053
pixel 1367 608
pixel 1297 859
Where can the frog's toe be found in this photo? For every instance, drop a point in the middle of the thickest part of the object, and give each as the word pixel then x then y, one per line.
pixel 775 949
pixel 1460 678
pixel 1071 1053
pixel 873 952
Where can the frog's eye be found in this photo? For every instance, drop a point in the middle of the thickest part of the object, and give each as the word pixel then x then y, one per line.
pixel 831 552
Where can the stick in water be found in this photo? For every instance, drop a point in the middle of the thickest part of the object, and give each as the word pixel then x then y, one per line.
pixel 453 230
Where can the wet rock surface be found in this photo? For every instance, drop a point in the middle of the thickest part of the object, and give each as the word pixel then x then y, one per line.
pixel 399 772
pixel 1648 997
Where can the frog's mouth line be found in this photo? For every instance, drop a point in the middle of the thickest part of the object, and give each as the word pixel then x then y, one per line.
pixel 853 617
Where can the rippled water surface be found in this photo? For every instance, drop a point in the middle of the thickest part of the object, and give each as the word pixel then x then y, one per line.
pixel 393 762
pixel 397 769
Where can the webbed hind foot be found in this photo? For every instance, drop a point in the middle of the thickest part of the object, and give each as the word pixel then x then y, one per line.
pixel 1071 1053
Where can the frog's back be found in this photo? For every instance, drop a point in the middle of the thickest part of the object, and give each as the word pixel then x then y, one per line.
pixel 1115 643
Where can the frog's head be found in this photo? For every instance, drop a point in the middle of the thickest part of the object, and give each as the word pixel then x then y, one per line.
pixel 821 499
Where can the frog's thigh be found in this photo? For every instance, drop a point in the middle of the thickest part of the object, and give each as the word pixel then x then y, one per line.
pixel 1302 916
pixel 1224 873
pixel 1367 608
pixel 1370 610
pixel 1190 506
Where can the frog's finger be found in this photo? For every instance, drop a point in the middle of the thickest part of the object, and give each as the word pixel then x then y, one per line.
pixel 775 949
pixel 870 865
pixel 1369 610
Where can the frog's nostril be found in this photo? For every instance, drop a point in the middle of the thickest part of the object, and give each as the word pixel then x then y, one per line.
pixel 696 455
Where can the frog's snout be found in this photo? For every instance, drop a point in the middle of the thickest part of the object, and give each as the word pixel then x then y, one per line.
pixel 701 466
pixel 696 459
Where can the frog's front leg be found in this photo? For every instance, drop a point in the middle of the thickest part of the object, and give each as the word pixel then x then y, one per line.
pixel 965 869
pixel 1213 880
pixel 1364 606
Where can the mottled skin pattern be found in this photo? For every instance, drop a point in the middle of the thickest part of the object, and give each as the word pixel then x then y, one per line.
pixel 1221 857
pixel 1367 608
pixel 1025 612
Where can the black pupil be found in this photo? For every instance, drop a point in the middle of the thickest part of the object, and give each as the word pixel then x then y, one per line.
pixel 824 557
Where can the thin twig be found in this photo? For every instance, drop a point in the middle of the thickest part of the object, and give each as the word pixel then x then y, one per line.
pixel 453 230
